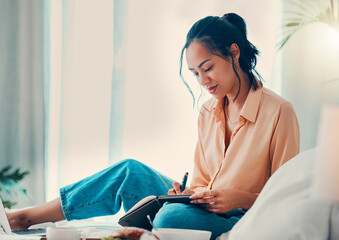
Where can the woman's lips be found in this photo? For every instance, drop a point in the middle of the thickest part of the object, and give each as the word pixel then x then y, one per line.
pixel 212 90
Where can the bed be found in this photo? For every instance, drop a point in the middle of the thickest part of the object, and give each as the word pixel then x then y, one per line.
pixel 287 207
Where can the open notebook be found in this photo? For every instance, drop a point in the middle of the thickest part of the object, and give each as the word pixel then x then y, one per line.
pixel 5 229
pixel 137 215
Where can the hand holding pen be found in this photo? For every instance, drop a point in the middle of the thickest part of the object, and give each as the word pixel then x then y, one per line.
pixel 184 181
pixel 180 188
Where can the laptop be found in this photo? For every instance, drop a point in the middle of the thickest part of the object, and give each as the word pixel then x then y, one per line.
pixel 5 228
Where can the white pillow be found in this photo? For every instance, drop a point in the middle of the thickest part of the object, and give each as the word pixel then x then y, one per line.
pixel 286 208
pixel 334 223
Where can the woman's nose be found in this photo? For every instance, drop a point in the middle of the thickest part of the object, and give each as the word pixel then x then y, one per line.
pixel 204 80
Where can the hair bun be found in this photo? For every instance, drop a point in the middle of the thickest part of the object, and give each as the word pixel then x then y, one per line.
pixel 236 21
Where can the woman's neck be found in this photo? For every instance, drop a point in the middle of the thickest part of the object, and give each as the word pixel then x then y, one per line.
pixel 244 90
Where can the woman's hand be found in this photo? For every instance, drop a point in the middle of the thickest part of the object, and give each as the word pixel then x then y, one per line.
pixel 176 190
pixel 224 200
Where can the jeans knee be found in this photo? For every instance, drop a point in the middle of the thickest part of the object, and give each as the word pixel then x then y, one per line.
pixel 122 169
pixel 171 216
pixel 131 164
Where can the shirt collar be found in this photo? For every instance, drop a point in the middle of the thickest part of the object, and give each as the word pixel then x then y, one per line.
pixel 251 105
pixel 250 109
pixel 218 108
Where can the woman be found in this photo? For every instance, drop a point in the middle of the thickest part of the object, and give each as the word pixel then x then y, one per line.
pixel 246 132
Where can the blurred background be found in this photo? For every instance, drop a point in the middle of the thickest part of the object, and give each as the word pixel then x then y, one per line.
pixel 84 83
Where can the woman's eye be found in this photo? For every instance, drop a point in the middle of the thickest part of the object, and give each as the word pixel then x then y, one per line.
pixel 206 70
pixel 195 74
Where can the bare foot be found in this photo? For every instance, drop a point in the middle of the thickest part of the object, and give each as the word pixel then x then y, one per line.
pixel 24 218
pixel 18 220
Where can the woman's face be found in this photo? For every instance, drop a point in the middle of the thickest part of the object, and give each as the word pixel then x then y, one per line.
pixel 212 72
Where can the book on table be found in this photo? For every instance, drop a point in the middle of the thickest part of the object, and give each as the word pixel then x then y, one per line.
pixel 137 215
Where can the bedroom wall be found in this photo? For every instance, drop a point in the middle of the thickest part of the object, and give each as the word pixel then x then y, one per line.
pixel 309 64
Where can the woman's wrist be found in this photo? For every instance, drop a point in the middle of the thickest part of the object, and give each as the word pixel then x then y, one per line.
pixel 244 199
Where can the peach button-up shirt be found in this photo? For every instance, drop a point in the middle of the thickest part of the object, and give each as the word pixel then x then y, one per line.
pixel 266 136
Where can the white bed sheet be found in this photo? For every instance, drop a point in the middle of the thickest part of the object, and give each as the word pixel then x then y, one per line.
pixel 286 208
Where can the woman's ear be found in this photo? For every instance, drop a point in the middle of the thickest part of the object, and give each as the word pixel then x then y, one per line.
pixel 235 52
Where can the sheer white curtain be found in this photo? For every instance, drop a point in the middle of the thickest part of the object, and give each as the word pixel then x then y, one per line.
pixel 22 93
pixel 79 91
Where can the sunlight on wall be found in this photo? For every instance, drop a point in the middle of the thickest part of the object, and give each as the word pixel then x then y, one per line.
pixel 53 128
pixel 310 61
pixel 329 37
pixel 81 75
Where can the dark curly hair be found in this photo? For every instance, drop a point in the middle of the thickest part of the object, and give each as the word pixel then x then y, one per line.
pixel 217 34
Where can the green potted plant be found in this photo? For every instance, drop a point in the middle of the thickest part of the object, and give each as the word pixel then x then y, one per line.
pixel 9 185
pixel 308 11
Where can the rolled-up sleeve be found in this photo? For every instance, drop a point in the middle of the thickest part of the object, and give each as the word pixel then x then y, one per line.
pixel 285 139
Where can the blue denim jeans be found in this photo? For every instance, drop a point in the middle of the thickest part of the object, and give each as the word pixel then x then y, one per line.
pixel 128 182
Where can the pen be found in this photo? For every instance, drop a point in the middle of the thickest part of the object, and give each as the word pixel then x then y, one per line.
pixel 184 180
